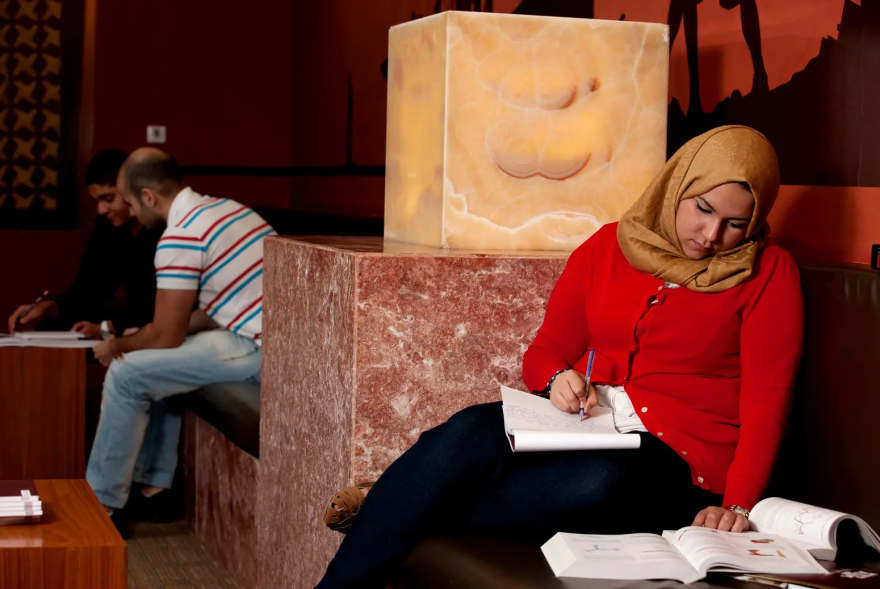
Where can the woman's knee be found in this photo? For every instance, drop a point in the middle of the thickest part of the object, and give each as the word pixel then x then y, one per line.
pixel 473 427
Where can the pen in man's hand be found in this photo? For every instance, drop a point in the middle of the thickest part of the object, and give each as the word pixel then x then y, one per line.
pixel 587 383
pixel 39 300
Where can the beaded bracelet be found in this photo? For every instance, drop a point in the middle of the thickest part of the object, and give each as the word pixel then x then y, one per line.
pixel 552 378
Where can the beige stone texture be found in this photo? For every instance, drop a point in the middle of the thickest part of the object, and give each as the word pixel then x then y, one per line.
pixel 520 132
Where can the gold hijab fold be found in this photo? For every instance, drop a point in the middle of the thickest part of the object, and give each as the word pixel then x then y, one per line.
pixel 647 234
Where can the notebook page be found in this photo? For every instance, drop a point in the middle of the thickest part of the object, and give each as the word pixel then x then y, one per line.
pixel 523 411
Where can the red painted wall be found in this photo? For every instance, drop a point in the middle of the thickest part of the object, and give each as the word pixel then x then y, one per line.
pixel 217 73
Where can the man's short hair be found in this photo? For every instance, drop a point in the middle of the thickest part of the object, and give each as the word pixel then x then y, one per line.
pixel 104 167
pixel 159 172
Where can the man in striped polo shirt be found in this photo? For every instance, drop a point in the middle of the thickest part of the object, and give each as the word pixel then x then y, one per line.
pixel 209 258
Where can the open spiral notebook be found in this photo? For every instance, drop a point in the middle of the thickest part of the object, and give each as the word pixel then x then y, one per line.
pixel 533 424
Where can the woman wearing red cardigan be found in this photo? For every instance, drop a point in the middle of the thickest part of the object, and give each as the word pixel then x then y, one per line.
pixel 697 323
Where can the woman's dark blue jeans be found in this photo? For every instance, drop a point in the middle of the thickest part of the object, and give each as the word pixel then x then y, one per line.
pixel 461 476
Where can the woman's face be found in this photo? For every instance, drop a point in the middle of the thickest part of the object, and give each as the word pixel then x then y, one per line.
pixel 715 221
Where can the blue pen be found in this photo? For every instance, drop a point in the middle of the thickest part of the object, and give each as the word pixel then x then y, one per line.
pixel 587 381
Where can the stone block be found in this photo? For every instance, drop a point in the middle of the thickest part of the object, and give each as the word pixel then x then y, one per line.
pixel 520 132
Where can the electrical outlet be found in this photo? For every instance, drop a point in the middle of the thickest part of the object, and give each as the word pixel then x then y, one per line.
pixel 156 134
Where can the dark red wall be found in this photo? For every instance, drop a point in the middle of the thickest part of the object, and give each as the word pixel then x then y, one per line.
pixel 217 73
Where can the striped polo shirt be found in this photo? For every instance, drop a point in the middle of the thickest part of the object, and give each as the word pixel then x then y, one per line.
pixel 215 246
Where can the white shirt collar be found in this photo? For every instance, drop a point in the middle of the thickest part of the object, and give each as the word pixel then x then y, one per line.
pixel 181 205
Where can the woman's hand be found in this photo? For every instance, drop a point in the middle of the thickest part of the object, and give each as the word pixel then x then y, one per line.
pixel 718 518
pixel 567 393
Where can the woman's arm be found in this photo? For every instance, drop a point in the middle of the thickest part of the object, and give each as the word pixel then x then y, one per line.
pixel 771 342
pixel 564 337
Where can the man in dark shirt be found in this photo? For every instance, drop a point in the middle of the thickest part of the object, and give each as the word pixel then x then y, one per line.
pixel 119 254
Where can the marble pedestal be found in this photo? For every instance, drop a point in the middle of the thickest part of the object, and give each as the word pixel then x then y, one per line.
pixel 221 481
pixel 366 345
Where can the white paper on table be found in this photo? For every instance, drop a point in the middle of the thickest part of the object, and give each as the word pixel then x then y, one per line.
pixel 533 424
pixel 54 335
pixel 16 341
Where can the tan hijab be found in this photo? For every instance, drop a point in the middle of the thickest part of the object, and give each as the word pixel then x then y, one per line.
pixel 646 232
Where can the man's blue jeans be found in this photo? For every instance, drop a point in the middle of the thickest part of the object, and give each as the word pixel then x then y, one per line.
pixel 125 448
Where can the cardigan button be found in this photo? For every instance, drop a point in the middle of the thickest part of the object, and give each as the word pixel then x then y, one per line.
pixel 699 479
pixel 644 409
pixel 684 453
pixel 659 288
pixel 659 434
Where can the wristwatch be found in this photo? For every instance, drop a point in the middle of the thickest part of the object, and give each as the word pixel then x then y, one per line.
pixel 105 329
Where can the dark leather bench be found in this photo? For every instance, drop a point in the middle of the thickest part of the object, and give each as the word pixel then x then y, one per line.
pixel 233 408
pixel 829 457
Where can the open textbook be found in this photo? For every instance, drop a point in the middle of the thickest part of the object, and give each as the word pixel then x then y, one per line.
pixel 814 528
pixel 533 424
pixel 686 555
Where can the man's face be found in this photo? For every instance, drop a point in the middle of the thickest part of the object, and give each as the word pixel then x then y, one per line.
pixel 110 203
pixel 148 216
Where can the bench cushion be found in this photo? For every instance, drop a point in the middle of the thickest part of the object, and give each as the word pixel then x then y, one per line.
pixel 489 563
pixel 231 407
pixel 831 431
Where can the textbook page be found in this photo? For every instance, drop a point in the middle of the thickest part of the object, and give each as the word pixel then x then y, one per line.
pixel 631 556
pixel 731 552
pixel 533 424
pixel 813 527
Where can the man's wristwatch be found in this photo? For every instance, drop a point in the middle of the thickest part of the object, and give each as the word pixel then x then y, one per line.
pixel 739 510
pixel 105 329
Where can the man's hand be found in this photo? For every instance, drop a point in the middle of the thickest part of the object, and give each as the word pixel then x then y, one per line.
pixel 718 518
pixel 169 325
pixel 30 321
pixel 106 352
pixel 88 329
pixel 567 393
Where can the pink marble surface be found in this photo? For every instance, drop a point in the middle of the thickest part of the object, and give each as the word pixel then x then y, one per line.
pixel 362 351
pixel 305 407
pixel 226 480
pixel 435 335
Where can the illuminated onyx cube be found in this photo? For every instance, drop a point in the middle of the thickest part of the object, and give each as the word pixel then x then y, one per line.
pixel 520 132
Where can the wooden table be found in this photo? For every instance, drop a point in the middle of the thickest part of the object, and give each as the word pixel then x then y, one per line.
pixel 42 420
pixel 75 546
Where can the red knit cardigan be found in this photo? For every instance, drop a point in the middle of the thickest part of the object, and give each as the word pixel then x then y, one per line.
pixel 711 375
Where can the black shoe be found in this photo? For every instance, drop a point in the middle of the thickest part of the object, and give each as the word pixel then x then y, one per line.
pixel 162 508
pixel 123 526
